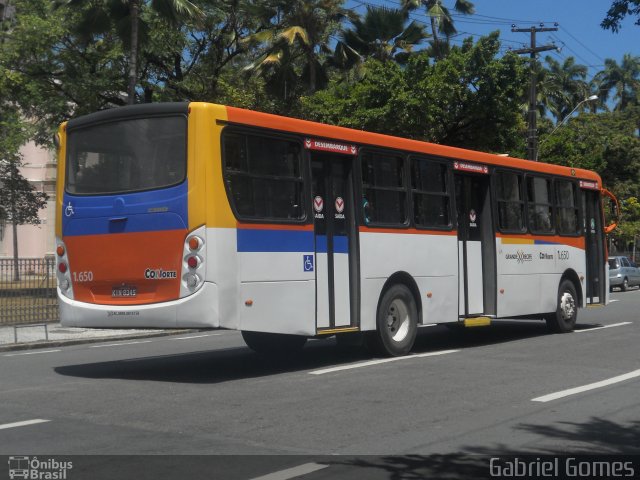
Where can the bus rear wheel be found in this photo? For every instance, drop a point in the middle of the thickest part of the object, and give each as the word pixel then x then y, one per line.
pixel 273 344
pixel 397 323
pixel 563 320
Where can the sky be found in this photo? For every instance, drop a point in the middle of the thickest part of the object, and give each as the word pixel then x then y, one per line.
pixel 579 33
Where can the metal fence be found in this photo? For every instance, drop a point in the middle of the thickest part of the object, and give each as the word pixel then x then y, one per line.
pixel 28 295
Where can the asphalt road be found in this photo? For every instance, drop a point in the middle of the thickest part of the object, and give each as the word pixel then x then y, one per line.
pixel 511 388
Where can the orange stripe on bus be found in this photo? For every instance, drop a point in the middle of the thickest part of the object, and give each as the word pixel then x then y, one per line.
pixel 577 242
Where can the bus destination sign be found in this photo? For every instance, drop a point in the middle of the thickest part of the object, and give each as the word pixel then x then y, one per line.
pixel 330 146
pixel 589 185
pixel 470 167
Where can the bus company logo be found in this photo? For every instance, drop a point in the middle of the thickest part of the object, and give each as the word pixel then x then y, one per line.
pixel 159 274
pixel 519 256
pixel 36 469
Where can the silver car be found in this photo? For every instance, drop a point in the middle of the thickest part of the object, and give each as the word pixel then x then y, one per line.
pixel 623 273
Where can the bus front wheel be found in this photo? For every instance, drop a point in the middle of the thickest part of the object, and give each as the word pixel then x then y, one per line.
pixel 397 322
pixel 273 344
pixel 563 320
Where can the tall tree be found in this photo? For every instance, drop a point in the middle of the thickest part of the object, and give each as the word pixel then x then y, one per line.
pixel 441 20
pixel 126 16
pixel 623 79
pixel 293 41
pixel 568 86
pixel 469 99
pixel 19 202
pixel 382 35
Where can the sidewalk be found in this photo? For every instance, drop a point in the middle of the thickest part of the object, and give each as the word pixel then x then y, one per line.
pixel 35 336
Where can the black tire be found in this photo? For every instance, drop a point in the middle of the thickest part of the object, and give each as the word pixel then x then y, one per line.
pixel 563 320
pixel 273 344
pixel 396 322
pixel 625 285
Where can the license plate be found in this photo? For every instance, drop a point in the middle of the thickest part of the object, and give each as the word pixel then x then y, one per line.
pixel 124 291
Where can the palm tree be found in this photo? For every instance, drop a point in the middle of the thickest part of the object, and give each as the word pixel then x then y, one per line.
pixel 624 79
pixel 567 86
pixel 382 35
pixel 441 19
pixel 126 16
pixel 300 31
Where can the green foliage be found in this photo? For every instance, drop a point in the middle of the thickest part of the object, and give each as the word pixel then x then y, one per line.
pixel 617 13
pixel 19 202
pixel 469 99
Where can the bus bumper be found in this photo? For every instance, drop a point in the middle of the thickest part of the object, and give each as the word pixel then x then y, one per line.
pixel 199 310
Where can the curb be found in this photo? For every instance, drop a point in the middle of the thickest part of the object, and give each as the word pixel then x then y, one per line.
pixel 79 341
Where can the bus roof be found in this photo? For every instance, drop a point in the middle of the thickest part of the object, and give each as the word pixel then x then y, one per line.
pixel 320 130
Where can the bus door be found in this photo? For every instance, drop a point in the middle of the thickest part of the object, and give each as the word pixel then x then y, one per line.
pixel 594 246
pixel 335 241
pixel 476 244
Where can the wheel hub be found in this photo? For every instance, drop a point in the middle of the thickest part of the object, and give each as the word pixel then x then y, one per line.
pixel 567 306
pixel 398 320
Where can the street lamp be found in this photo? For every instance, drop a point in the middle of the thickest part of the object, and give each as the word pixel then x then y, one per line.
pixel 566 119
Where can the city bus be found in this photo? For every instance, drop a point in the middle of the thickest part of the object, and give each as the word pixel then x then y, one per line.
pixel 196 215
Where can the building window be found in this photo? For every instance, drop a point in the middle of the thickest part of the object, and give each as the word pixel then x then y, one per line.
pixel 430 194
pixel 384 190
pixel 539 205
pixel 263 177
pixel 510 201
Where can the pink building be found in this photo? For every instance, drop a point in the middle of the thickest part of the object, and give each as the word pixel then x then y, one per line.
pixel 39 167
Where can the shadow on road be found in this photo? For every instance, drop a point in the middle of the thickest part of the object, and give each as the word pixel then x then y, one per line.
pixel 229 364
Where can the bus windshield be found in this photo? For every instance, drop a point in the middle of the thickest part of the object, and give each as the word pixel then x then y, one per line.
pixel 125 156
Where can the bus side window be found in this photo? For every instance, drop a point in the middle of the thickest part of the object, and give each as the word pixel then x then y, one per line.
pixel 539 205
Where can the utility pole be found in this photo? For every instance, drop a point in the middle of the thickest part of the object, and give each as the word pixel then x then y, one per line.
pixel 533 50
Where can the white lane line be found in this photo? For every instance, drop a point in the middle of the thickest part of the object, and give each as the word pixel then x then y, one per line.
pixel 600 328
pixel 585 388
pixel 292 472
pixel 120 343
pixel 23 424
pixel 614 300
pixel 30 353
pixel 377 362
pixel 196 336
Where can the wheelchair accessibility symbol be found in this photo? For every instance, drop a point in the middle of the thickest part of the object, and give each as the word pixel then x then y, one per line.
pixel 308 263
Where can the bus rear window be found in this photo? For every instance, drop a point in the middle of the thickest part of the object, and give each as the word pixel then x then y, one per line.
pixel 127 156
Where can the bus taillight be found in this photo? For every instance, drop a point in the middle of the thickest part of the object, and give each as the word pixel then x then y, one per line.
pixel 193 262
pixel 63 273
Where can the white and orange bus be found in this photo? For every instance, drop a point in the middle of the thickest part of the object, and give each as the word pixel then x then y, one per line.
pixel 195 215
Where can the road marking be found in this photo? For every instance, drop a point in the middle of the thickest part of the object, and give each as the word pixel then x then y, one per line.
pixel 292 472
pixel 585 388
pixel 23 424
pixel 120 343
pixel 614 300
pixel 377 362
pixel 600 328
pixel 30 353
pixel 195 336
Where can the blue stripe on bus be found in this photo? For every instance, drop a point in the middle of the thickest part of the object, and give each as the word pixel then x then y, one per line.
pixel 154 210
pixel 544 242
pixel 340 244
pixel 258 240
